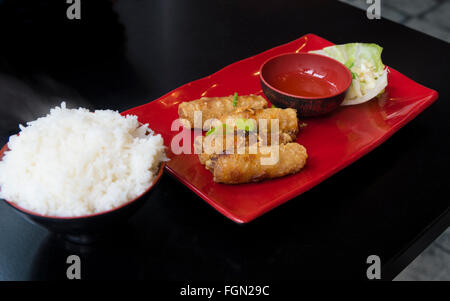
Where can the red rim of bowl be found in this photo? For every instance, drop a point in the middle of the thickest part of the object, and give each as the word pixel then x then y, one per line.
pixel 349 76
pixel 155 181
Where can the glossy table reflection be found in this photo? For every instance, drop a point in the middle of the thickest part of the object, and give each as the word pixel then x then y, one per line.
pixel 391 202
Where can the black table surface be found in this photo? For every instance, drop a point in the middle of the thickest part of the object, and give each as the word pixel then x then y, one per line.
pixel 392 203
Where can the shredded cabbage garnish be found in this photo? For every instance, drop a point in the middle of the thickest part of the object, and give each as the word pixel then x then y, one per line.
pixel 368 72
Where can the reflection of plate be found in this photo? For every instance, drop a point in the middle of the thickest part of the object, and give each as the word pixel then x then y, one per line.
pixel 333 141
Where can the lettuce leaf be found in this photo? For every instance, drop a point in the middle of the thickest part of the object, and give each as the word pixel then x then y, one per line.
pixel 368 71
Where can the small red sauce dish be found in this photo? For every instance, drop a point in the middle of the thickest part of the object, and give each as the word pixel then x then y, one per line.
pixel 311 83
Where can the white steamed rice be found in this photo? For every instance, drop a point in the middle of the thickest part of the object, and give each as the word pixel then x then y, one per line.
pixel 74 162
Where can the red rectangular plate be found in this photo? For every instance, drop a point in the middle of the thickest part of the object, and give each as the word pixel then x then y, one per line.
pixel 333 142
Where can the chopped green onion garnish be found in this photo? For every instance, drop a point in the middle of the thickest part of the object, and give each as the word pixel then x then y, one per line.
pixel 349 66
pixel 210 131
pixel 213 130
pixel 235 99
pixel 245 124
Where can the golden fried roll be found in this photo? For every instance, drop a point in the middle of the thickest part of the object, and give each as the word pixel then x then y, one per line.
pixel 245 168
pixel 215 107
pixel 267 139
pixel 206 149
pixel 287 120
pixel 207 146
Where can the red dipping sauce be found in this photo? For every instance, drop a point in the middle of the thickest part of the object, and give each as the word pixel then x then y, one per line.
pixel 312 84
pixel 302 84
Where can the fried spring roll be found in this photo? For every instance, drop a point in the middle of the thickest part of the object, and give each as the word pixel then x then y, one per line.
pixel 206 146
pixel 215 107
pixel 236 168
pixel 287 120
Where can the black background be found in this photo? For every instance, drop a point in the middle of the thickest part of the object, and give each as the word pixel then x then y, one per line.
pixel 392 202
